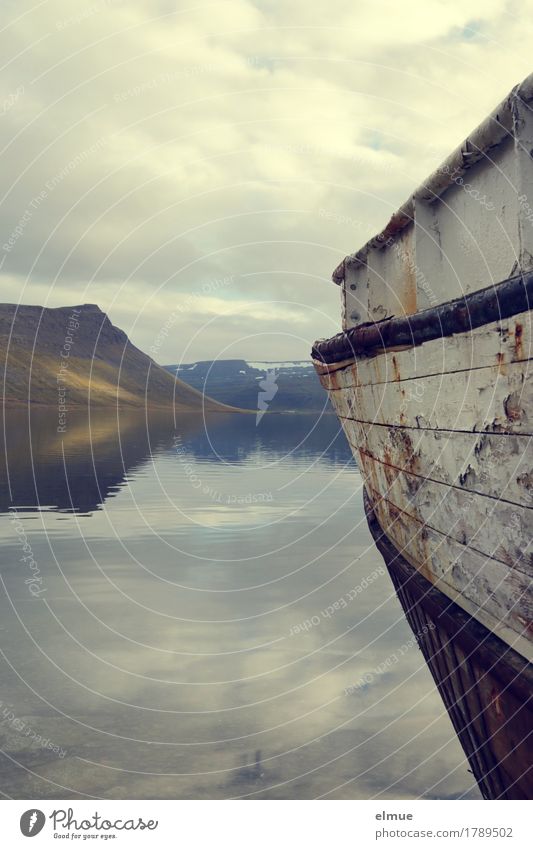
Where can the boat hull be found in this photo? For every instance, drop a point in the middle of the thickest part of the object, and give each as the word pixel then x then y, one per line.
pixel 442 432
pixel 431 379
pixel 486 687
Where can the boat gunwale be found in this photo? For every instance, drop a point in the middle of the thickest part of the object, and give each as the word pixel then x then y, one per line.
pixel 461 315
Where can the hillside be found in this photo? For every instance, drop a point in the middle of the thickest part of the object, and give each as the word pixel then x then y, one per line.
pixel 72 356
pixel 290 386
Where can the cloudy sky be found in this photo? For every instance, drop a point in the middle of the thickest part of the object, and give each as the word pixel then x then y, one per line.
pixel 202 167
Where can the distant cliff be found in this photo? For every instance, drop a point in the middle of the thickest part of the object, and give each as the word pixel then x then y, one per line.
pixel 72 356
pixel 278 387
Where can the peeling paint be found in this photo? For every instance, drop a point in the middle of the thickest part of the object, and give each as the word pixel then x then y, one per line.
pixel 512 407
pixel 526 480
pixel 437 403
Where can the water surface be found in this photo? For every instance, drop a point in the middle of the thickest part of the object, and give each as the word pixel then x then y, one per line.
pixel 202 614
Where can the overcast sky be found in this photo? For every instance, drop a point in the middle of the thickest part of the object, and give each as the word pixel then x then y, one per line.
pixel 198 169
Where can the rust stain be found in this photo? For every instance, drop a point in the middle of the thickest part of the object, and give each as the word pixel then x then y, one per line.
pixel 500 362
pixel 406 457
pixel 390 475
pixel 369 470
pixel 409 298
pixel 518 341
pixel 396 369
pixel 416 547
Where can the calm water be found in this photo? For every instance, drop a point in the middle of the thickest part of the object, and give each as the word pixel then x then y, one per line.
pixel 202 614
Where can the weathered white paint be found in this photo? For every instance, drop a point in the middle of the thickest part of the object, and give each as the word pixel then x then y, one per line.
pixel 497 465
pixel 354 295
pixel 491 592
pixel 495 344
pixel 464 228
pixel 523 122
pixel 391 278
pixel 494 528
pixel 470 543
pixel 484 399
pixel 469 239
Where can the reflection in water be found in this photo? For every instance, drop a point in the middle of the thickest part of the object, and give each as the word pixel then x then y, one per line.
pixel 213 619
pixel 78 470
pixel 486 686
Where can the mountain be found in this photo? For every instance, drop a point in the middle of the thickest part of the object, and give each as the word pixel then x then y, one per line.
pixel 72 356
pixel 272 386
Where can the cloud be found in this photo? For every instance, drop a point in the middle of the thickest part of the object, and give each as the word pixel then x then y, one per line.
pixel 151 149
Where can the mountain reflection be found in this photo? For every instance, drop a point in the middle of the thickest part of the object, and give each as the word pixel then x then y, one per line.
pixel 77 471
pixel 234 439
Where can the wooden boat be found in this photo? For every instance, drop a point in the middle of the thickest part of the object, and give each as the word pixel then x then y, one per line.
pixel 431 379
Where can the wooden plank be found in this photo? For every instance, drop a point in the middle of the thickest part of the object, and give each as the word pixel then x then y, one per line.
pixel 496 595
pixel 495 344
pixel 494 528
pixel 498 465
pixel 485 399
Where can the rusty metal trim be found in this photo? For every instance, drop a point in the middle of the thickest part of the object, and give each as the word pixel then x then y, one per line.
pixel 461 315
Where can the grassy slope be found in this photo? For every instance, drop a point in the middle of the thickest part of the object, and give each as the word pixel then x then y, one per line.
pixel 103 367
